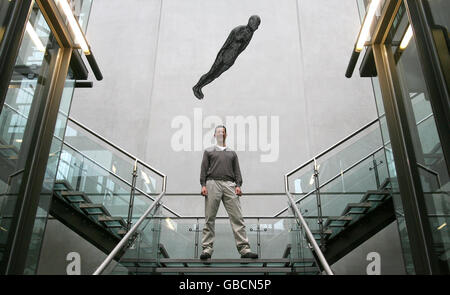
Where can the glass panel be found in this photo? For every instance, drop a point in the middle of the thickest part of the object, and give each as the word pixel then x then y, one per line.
pixel 179 243
pixel 141 256
pixel 99 151
pixel 440 10
pixel 110 158
pixel 6 8
pixel 426 143
pixel 301 255
pixel 274 237
pixel 363 6
pixel 81 10
pixel 180 237
pixel 26 95
pixel 336 161
pixel 340 196
pixel 97 185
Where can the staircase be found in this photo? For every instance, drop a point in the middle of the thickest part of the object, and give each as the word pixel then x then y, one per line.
pixel 91 221
pixel 98 193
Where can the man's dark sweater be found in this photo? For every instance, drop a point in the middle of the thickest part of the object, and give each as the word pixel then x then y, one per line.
pixel 220 165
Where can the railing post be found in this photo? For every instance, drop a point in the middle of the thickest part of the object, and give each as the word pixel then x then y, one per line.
pixel 80 176
pixel 131 205
pixel 375 168
pixel 258 238
pixel 197 230
pixel 319 205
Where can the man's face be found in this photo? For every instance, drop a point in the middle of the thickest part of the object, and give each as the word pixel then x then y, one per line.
pixel 220 135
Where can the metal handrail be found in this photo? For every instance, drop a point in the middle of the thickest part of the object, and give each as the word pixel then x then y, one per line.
pixel 328 181
pixel 310 237
pixel 332 147
pixel 99 137
pixel 16 111
pixel 115 146
pixel 432 172
pixel 122 179
pixel 10 177
pixel 126 238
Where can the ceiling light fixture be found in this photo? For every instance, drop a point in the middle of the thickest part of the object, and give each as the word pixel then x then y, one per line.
pixel 34 37
pixel 74 26
pixel 406 38
pixel 367 23
pixel 442 226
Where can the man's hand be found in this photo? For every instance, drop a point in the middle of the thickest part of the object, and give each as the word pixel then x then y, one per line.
pixel 204 191
pixel 238 191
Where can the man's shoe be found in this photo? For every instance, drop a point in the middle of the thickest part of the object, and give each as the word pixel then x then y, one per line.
pixel 205 255
pixel 250 255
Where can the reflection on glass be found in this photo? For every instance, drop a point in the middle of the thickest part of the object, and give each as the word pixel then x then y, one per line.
pixel 26 93
pixel 6 8
pixel 426 143
pixel 439 12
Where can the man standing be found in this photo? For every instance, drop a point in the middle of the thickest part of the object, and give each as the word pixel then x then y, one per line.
pixel 221 180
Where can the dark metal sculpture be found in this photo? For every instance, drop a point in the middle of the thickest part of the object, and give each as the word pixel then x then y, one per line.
pixel 236 42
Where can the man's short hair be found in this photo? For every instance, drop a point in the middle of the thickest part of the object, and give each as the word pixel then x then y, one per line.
pixel 220 126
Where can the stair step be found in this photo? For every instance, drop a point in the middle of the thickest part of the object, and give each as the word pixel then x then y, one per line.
pixel 385 183
pixel 93 209
pixel 122 232
pixel 8 151
pixel 170 265
pixel 75 197
pixel 212 263
pixel 375 196
pixel 338 221
pixel 61 185
pixel 112 222
pixel 233 270
pixel 326 232
pixel 357 208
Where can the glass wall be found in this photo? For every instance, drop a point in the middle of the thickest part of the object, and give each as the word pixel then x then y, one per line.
pixel 439 21
pixel 6 7
pixel 421 122
pixel 49 178
pixel 27 91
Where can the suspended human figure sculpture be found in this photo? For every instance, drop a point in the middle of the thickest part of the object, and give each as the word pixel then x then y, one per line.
pixel 236 42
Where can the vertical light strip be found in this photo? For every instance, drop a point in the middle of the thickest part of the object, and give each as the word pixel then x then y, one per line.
pixel 79 36
pixel 34 37
pixel 364 33
pixel 406 38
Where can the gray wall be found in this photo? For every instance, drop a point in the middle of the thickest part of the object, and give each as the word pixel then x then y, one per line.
pixel 59 241
pixel 386 243
pixel 292 73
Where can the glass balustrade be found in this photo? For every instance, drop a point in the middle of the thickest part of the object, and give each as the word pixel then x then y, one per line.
pixel 163 243
pixel 86 183
pixel 340 186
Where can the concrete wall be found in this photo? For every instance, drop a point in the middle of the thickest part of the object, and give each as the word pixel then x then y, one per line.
pixel 383 248
pixel 62 249
pixel 289 84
